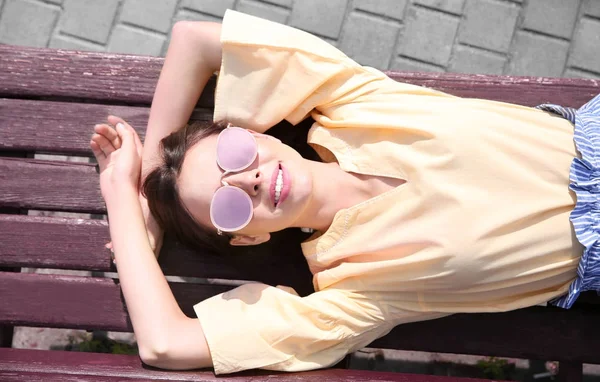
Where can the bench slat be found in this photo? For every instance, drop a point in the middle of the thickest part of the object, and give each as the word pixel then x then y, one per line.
pixel 64 127
pixel 117 78
pixel 40 362
pixel 66 243
pixel 79 302
pixel 49 185
pixel 61 74
pixel 527 91
pixel 61 127
pixel 64 301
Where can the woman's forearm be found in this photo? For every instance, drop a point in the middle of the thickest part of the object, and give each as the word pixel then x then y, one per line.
pixel 194 55
pixel 156 317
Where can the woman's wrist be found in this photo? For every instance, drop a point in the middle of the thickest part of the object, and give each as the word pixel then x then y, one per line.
pixel 122 194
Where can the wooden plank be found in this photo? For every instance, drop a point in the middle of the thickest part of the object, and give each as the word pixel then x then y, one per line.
pixel 528 91
pixel 533 333
pixel 130 367
pixel 570 371
pixel 60 301
pixel 49 185
pixel 67 75
pixel 64 127
pixel 64 243
pixel 117 79
pixel 538 333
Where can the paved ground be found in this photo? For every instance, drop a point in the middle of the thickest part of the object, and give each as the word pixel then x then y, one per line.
pixel 520 37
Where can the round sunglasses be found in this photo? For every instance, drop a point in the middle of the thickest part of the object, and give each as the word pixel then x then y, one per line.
pixel 231 208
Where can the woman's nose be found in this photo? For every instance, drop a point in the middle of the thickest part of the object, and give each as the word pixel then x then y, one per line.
pixel 248 180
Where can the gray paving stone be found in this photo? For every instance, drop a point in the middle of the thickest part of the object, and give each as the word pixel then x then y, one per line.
pixel 368 40
pixel 283 3
pixel 68 42
pixel 592 8
pixel 317 16
pixel 190 16
pixel 89 19
pixel 536 55
pixel 213 7
pixel 126 39
pixel 471 60
pixel 156 15
pixel 586 46
pixel 195 16
pixel 406 65
pixel 489 24
pixel 388 8
pixel 263 10
pixel 452 6
pixel 55 1
pixel 27 23
pixel 428 36
pixel 554 17
pixel 574 73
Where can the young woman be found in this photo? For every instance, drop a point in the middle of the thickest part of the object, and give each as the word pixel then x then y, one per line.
pixel 424 204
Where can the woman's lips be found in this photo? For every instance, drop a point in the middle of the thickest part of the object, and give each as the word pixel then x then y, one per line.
pixel 287 183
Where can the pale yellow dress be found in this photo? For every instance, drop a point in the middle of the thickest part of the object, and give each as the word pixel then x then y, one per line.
pixel 481 224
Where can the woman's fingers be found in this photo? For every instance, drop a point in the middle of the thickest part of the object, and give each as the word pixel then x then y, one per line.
pixel 104 144
pixel 99 154
pixel 109 133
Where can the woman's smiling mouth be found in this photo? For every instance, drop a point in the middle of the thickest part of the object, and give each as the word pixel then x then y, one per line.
pixel 280 185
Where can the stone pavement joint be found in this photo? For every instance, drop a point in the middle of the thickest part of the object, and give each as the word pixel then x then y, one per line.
pixel 489 24
pixel 512 37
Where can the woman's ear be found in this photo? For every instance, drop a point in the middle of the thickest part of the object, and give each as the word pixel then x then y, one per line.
pixel 242 240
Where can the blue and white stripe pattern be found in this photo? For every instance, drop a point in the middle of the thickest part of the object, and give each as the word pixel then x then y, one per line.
pixel 585 182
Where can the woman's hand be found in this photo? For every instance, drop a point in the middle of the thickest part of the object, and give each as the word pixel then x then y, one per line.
pixel 119 155
pixel 120 165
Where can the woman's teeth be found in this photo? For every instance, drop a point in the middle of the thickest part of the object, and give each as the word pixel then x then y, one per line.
pixel 278 186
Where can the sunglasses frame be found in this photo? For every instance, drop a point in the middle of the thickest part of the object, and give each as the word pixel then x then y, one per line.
pixel 227 171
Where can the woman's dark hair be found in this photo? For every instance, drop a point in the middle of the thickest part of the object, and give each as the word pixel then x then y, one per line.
pixel 161 190
pixel 160 185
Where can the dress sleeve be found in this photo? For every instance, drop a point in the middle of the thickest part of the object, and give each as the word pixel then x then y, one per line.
pixel 270 72
pixel 259 326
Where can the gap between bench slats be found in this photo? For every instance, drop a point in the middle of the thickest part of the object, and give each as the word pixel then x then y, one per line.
pixel 64 127
pixel 536 333
pixel 116 78
pixel 66 243
pixel 42 362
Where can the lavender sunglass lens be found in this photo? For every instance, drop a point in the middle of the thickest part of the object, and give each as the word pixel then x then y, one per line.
pixel 236 149
pixel 231 208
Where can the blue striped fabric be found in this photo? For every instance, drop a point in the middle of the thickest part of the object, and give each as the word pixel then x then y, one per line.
pixel 585 182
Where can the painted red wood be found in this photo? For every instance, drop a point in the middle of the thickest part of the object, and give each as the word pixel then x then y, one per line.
pixel 64 243
pixel 64 127
pixel 539 333
pixel 52 242
pixel 528 91
pixel 49 185
pixel 117 79
pixel 78 302
pixel 60 74
pixel 109 365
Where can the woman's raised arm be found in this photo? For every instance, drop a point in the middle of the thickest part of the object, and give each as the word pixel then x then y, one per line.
pixel 194 55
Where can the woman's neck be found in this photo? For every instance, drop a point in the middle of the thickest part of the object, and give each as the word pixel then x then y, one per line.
pixel 333 190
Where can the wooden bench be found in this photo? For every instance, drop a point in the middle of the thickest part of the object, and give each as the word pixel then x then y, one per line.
pixel 49 102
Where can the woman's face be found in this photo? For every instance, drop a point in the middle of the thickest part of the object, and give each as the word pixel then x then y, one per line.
pixel 201 176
